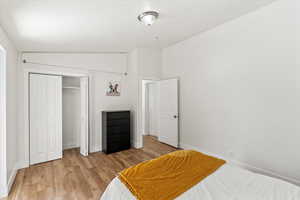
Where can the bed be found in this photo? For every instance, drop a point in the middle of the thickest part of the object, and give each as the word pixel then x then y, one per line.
pixel 228 182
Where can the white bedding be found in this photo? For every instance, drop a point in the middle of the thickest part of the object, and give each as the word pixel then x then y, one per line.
pixel 227 183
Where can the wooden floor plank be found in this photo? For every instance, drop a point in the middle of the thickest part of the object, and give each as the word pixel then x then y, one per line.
pixel 80 178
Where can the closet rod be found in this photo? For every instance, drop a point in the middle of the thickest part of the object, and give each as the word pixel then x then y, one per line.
pixel 64 66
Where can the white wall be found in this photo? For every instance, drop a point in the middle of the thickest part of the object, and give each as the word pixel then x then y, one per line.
pixel 102 102
pixel 149 62
pixel 69 81
pixel 10 159
pixel 89 64
pixel 71 112
pixel 240 89
pixel 145 63
pixel 133 95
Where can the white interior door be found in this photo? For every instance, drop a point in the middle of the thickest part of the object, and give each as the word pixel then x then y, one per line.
pixel 84 126
pixel 45 118
pixel 168 112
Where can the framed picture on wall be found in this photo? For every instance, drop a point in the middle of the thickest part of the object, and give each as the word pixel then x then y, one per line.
pixel 113 88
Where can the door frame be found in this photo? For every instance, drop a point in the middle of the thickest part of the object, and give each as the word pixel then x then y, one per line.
pixel 139 139
pixel 145 101
pixel 84 105
pixel 3 174
pixel 59 72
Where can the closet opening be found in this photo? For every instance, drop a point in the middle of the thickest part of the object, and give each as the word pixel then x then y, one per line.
pixel 58 116
pixel 71 111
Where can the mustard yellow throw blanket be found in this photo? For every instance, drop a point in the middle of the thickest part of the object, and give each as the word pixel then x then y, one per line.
pixel 170 175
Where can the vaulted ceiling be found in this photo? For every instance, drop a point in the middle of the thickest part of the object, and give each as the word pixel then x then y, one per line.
pixel 112 25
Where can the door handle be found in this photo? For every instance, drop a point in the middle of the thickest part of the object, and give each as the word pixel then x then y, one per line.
pixel 175 116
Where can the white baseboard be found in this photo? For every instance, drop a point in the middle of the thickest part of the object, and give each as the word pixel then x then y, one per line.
pixel 12 178
pixel 4 190
pixel 96 149
pixel 137 145
pixel 245 165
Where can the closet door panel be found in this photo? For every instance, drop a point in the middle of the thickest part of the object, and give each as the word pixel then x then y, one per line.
pixel 84 125
pixel 54 117
pixel 45 118
pixel 38 119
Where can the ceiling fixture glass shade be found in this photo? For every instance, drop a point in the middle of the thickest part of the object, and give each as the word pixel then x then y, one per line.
pixel 148 17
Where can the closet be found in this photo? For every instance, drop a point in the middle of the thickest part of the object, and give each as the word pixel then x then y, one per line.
pixel 71 112
pixel 58 116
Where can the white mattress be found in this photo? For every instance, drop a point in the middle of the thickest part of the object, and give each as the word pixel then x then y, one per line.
pixel 227 183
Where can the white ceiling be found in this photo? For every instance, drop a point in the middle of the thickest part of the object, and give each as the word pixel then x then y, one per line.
pixel 112 25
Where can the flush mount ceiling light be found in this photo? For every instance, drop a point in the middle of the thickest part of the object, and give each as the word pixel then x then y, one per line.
pixel 148 17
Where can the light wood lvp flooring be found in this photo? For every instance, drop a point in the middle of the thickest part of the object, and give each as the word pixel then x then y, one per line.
pixel 80 178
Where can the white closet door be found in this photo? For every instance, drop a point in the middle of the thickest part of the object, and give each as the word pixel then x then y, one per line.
pixel 84 125
pixel 45 118
pixel 38 119
pixel 168 119
pixel 54 121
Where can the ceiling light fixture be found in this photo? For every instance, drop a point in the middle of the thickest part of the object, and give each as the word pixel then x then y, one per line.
pixel 148 17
